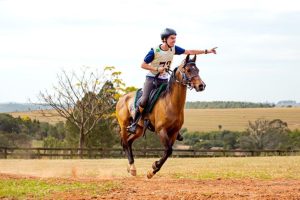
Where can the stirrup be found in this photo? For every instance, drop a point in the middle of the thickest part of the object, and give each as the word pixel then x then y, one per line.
pixel 132 128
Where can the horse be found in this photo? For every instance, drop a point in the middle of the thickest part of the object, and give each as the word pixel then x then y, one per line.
pixel 167 115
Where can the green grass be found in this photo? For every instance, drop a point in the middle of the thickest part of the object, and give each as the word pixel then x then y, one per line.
pixel 37 189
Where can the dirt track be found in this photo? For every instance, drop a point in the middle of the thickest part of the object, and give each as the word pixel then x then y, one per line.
pixel 162 188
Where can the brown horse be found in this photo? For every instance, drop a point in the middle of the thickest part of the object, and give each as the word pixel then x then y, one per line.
pixel 167 115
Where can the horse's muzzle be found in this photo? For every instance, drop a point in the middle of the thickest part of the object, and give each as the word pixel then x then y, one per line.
pixel 200 87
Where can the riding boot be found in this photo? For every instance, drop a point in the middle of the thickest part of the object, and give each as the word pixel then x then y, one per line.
pixel 137 116
pixel 179 137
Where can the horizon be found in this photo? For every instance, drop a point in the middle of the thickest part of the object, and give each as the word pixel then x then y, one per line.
pixel 257 57
pixel 280 101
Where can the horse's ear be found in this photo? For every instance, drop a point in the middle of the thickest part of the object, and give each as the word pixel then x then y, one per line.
pixel 187 58
pixel 194 59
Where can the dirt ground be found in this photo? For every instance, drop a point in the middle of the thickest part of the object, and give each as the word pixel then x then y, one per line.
pixel 180 189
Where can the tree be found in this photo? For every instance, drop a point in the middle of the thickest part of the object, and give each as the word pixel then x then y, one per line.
pixel 85 98
pixel 229 139
pixel 206 140
pixel 294 140
pixel 8 123
pixel 103 133
pixel 265 134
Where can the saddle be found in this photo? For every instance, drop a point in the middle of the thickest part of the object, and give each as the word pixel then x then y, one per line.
pixel 153 97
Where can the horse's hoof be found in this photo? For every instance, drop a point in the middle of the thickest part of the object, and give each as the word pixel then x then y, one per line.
pixel 133 172
pixel 131 169
pixel 150 174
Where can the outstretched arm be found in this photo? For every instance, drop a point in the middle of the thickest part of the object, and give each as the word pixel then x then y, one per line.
pixel 196 52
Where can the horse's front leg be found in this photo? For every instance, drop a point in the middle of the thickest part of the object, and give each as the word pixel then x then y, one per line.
pixel 168 144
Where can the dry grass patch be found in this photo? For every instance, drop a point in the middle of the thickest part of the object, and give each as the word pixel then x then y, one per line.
pixel 192 168
pixel 237 119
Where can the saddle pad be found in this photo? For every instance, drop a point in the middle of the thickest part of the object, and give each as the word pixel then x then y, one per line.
pixel 153 97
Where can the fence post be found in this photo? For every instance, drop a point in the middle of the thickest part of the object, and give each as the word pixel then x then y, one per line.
pixel 38 153
pixel 5 152
pixel 279 152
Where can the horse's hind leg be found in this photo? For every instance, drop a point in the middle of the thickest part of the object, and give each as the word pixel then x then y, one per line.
pixel 128 151
pixel 127 146
pixel 168 144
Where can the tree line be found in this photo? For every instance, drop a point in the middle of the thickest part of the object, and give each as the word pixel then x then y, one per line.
pixel 226 104
pixel 259 135
pixel 25 132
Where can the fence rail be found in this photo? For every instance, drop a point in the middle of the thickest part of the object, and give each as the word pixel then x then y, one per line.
pixel 70 153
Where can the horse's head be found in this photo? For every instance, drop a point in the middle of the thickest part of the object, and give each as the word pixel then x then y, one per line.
pixel 190 74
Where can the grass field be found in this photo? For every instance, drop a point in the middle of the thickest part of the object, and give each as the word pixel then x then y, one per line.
pixel 180 178
pixel 237 119
pixel 210 119
pixel 50 116
pixel 191 168
pixel 40 189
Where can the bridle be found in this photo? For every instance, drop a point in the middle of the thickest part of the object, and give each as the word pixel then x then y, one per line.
pixel 186 80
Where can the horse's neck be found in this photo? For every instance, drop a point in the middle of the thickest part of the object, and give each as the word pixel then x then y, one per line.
pixel 178 96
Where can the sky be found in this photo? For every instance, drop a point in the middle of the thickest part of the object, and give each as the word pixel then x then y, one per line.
pixel 257 58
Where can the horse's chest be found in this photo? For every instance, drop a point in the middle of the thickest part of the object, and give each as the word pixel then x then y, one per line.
pixel 174 120
pixel 167 119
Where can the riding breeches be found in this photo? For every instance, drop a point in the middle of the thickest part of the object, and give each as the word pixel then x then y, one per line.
pixel 149 85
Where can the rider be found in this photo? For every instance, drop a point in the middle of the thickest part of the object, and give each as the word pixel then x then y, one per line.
pixel 157 61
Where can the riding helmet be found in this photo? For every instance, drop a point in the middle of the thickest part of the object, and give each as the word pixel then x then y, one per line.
pixel 167 32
